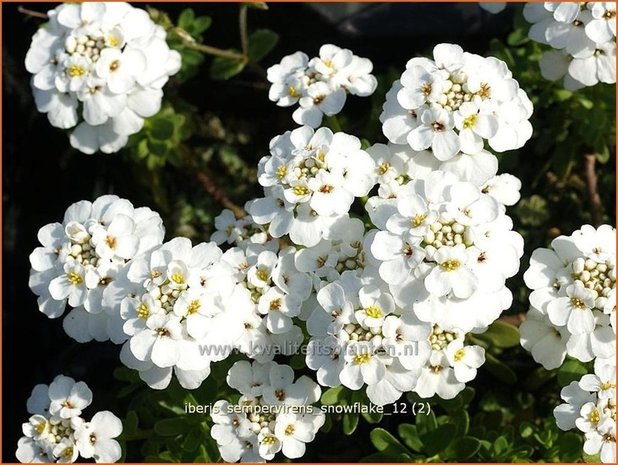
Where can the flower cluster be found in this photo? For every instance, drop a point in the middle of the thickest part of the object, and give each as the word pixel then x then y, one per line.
pixel 56 431
pixel 582 36
pixel 81 257
pixel 320 85
pixel 100 68
pixel 573 312
pixel 573 299
pixel 274 413
pixel 310 180
pixel 590 405
pixel 456 102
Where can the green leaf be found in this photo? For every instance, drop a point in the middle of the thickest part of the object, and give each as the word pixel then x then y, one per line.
pixel 501 334
pixel 603 155
pixel 462 448
pixel 526 429
pixel 129 425
pixel 331 396
pixel 538 378
pixel 225 68
pixel 409 436
pixel 438 440
pixel 261 42
pixel 426 423
pixel 171 426
pixel 201 24
pixel 193 440
pixel 571 370
pixel 501 445
pixel 386 442
pixel 461 420
pixel 349 422
pixel 185 18
pixel 161 128
pixel 500 370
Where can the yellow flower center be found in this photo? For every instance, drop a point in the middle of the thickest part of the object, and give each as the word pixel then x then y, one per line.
pixel 362 358
pixel 418 219
pixel 450 265
pixel 275 304
pixel 269 440
pixel 76 71
pixel 262 274
pixel 74 278
pixel 383 168
pixel 300 190
pixel 193 307
pixel 577 303
pixel 469 122
pixel 459 355
pixel 373 312
pixel 289 430
pixel 143 311
pixel 293 92
pixel 178 278
pixel 594 416
pixel 282 171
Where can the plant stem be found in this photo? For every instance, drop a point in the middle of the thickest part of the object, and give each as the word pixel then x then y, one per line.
pixel 596 208
pixel 242 26
pixel 32 13
pixel 190 42
pixel 218 195
pixel 333 123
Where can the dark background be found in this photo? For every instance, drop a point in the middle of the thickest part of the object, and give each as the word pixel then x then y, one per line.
pixel 42 175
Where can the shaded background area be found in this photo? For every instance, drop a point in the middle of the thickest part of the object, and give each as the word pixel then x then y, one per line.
pixel 42 175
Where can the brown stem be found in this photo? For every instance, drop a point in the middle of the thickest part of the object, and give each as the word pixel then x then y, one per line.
pixel 33 13
pixel 596 208
pixel 191 43
pixel 242 26
pixel 218 195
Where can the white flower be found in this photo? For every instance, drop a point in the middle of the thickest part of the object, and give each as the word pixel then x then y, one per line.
pixel 464 359
pixel 95 439
pixel 264 426
pixel 602 441
pixel 67 397
pixel 99 67
pixel 451 273
pixel 80 259
pixel 455 102
pixel 603 382
pixel 575 397
pixel 543 340
pixel 574 311
pixel 61 435
pixel 585 39
pixel 320 84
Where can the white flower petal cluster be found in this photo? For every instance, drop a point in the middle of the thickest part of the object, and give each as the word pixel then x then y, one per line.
pixel 186 306
pixel 445 248
pixel 237 232
pixel 360 337
pixel 582 37
pixel 173 300
pixel 274 414
pixel 79 258
pixel 310 180
pixel 320 85
pixel 56 431
pixel 573 298
pixel 590 406
pixel 455 103
pixel 99 67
